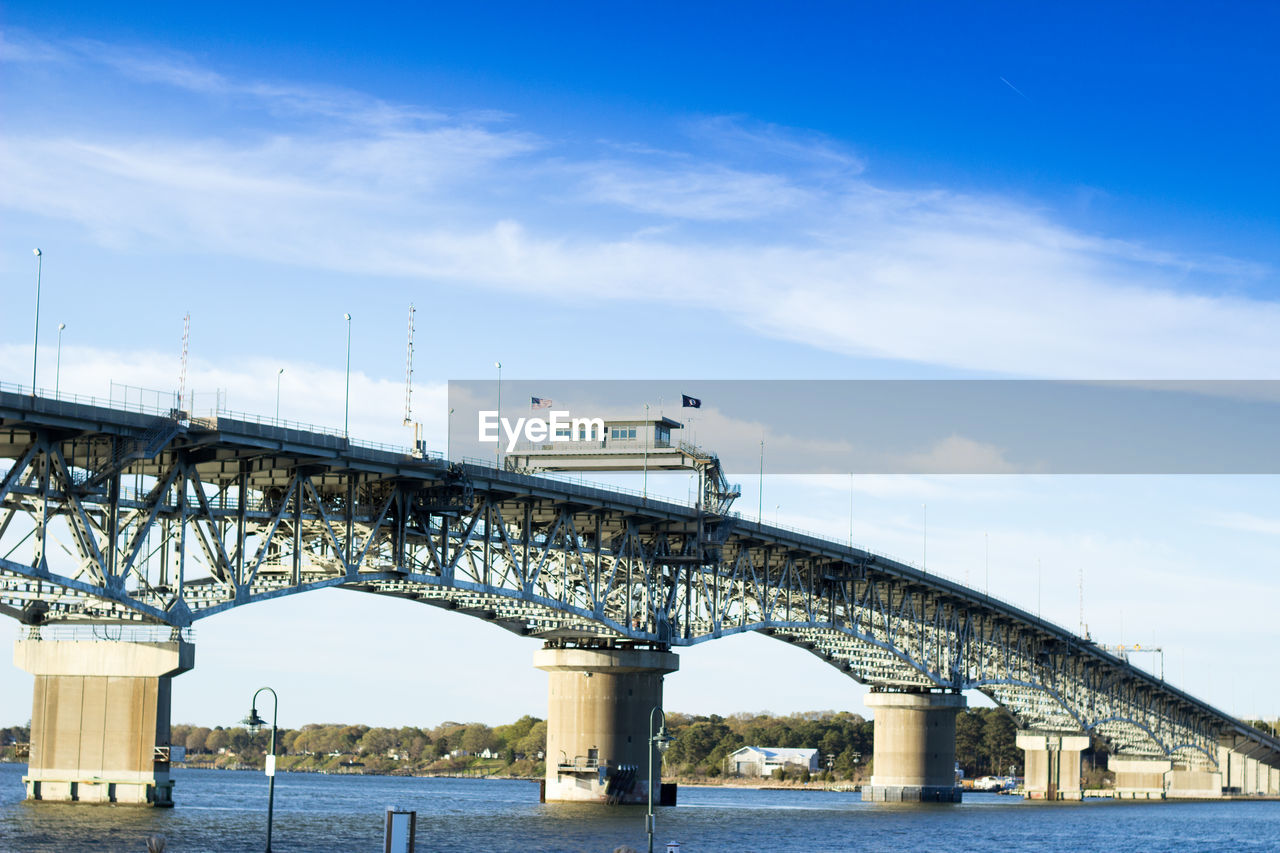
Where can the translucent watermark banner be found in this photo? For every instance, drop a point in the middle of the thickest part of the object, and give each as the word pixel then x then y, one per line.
pixel 872 426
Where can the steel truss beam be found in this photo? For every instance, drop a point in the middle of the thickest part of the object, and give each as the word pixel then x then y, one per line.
pixel 112 516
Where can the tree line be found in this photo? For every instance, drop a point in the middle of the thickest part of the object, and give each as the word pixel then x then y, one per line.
pixel 449 747
pixel 985 745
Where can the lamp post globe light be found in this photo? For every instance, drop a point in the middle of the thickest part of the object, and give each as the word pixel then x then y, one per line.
pixel 659 741
pixel 254 723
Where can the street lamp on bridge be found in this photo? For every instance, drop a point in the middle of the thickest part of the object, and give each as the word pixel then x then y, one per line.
pixel 346 407
pixel 35 347
pixel 57 371
pixel 497 450
pixel 279 373
pixel 254 722
pixel 658 740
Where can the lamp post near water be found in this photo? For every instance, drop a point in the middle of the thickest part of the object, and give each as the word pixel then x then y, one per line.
pixel 254 722
pixel 659 740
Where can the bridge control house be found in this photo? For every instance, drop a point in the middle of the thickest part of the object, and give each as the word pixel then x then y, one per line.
pixel 623 445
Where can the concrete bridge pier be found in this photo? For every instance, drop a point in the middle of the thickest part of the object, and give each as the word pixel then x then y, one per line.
pixel 1247 767
pixel 1139 778
pixel 915 747
pixel 100 719
pixel 1184 782
pixel 1052 764
pixel 598 712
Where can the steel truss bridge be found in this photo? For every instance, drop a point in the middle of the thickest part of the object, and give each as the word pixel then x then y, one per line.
pixel 113 516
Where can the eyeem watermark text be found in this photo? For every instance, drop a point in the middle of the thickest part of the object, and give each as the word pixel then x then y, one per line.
pixel 559 427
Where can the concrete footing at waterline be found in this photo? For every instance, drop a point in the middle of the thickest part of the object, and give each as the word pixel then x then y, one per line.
pixel 598 715
pixel 100 719
pixel 1052 764
pixel 914 747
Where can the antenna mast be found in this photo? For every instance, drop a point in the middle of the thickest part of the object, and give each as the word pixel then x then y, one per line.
pixel 408 373
pixel 182 377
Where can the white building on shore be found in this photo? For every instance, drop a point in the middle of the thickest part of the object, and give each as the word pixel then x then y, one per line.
pixel 763 761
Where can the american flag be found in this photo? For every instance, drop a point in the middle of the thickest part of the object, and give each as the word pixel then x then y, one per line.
pixel 539 403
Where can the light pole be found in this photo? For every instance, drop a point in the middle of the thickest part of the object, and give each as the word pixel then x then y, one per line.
pixel 659 740
pixel 346 410
pixel 760 497
pixel 35 347
pixel 497 450
pixel 647 428
pixel 279 373
pixel 57 371
pixel 254 722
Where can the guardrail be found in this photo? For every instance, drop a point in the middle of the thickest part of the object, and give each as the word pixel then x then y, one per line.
pixel 107 633
pixel 208 417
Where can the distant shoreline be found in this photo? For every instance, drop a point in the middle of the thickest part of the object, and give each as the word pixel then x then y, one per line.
pixel 681 781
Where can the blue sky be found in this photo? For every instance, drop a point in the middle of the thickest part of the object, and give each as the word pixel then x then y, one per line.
pixel 660 190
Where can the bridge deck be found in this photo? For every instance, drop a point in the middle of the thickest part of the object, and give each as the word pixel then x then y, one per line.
pixel 130 516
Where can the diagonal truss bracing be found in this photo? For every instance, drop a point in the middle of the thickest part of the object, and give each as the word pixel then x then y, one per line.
pixel 225 513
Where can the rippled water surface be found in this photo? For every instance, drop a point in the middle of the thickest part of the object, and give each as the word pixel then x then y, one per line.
pixel 222 810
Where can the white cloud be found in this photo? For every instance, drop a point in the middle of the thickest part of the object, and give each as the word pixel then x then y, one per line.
pixel 1247 522
pixel 784 235
pixel 956 454
pixel 707 193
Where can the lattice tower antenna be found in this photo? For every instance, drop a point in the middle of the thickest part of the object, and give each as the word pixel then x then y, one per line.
pixel 408 373
pixel 186 342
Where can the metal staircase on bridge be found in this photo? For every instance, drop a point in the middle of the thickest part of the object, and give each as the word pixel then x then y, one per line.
pixel 130 450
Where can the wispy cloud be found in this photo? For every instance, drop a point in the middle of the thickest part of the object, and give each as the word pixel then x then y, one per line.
pixel 1268 526
pixel 779 231
pixel 714 193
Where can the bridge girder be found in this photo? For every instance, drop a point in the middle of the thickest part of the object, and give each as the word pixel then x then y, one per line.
pixel 98 525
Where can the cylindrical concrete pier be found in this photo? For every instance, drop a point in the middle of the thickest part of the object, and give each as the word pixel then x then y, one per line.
pixel 915 747
pixel 598 722
pixel 100 719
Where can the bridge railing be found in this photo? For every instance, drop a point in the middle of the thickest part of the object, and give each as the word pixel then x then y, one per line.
pixel 207 415
pixel 572 480
pixel 85 399
pixel 107 633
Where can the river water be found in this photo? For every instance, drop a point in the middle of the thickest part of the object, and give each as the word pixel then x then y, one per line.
pixel 225 811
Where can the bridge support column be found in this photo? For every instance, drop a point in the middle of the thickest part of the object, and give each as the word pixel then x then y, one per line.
pixel 598 722
pixel 100 710
pixel 1184 783
pixel 915 747
pixel 1248 767
pixel 1139 778
pixel 1052 764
